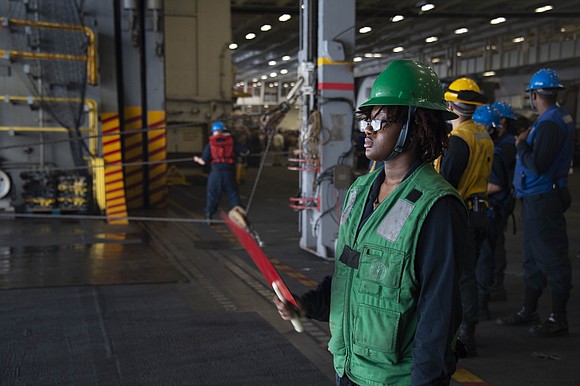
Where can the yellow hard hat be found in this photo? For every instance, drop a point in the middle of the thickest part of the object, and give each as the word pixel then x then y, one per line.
pixel 465 90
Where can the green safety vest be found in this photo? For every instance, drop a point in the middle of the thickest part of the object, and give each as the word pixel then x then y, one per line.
pixel 373 315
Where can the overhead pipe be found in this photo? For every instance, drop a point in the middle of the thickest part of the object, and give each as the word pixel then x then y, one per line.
pixel 91 57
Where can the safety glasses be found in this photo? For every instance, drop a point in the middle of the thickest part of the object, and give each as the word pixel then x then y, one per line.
pixel 376 124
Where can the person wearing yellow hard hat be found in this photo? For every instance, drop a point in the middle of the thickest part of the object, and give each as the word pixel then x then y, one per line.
pixel 466 165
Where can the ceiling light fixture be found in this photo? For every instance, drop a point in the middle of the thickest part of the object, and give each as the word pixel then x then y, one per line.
pixel 283 71
pixel 497 20
pixel 398 49
pixel 266 27
pixel 435 60
pixel 272 63
pixel 284 17
pixel 397 18
pixel 233 46
pixel 431 39
pixel 273 74
pixel 489 73
pixel 264 77
pixel 460 31
pixel 368 55
pixel 519 39
pixel 357 59
pixel 365 30
pixel 286 57
pixel 544 9
pixel 427 7
pixel 458 53
pixel 250 36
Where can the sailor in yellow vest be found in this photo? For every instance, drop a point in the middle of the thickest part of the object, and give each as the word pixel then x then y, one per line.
pixel 393 304
pixel 466 165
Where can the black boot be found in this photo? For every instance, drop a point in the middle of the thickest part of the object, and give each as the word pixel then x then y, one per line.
pixel 523 316
pixel 467 337
pixel 527 314
pixel 483 309
pixel 555 325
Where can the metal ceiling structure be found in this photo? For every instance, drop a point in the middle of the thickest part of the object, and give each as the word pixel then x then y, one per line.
pixel 375 48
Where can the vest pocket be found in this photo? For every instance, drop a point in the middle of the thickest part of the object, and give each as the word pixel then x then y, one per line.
pixel 376 334
pixel 380 267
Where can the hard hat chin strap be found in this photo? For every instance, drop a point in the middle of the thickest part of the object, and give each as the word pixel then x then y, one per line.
pixel 398 149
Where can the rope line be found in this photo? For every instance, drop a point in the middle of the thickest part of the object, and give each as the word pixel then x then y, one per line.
pixel 98 217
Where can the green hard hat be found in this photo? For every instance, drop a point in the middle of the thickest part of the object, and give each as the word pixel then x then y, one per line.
pixel 407 82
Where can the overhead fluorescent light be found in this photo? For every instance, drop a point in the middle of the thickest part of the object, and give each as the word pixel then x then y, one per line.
pixel 460 31
pixel 233 46
pixel 365 30
pixel 264 77
pixel 519 39
pixel 286 57
pixel 368 55
pixel 266 27
pixel 497 20
pixel 250 36
pixel 272 63
pixel 357 59
pixel 397 18
pixel 285 17
pixel 489 73
pixel 545 8
pixel 427 7
pixel 431 39
pixel 273 74
pixel 283 71
pixel 398 49
pixel 377 55
pixel 435 60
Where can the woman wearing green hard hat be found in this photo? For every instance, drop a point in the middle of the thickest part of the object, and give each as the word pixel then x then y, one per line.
pixel 393 303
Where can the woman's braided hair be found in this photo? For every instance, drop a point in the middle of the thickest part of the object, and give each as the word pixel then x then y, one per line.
pixel 428 135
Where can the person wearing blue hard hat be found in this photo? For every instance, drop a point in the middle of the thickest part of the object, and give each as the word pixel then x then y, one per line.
pixel 222 152
pixel 505 145
pixel 500 199
pixel 544 156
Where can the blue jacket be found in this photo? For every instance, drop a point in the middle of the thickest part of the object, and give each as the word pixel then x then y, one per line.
pixel 527 182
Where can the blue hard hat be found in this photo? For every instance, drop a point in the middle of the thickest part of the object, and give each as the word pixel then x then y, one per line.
pixel 545 78
pixel 486 115
pixel 217 126
pixel 504 109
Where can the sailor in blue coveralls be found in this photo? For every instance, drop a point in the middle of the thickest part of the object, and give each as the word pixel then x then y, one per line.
pixel 499 197
pixel 544 155
pixel 222 151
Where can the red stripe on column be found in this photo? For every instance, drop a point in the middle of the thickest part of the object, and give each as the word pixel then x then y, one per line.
pixel 157 138
pixel 111 141
pixel 160 150
pixel 336 86
pixel 111 172
pixel 109 119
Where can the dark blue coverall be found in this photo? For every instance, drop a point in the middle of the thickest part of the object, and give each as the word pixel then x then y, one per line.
pixel 502 172
pixel 222 178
